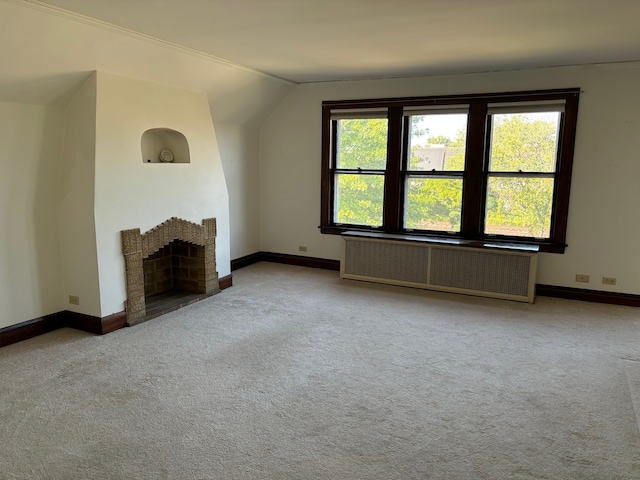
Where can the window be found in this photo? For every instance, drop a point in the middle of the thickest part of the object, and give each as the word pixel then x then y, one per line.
pixel 491 167
pixel 360 161
pixel 435 171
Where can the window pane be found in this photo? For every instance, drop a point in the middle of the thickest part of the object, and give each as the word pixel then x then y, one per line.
pixel 519 206
pixel 359 199
pixel 524 141
pixel 437 142
pixel 433 204
pixel 362 143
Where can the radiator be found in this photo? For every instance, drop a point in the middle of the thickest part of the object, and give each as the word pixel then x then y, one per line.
pixel 507 273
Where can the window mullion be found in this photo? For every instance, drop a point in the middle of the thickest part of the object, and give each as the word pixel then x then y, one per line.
pixel 327 180
pixel 392 216
pixel 474 184
pixel 564 168
pixel 359 171
pixel 523 174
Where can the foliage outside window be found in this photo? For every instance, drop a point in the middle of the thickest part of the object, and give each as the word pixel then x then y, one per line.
pixel 520 180
pixel 434 176
pixel 492 167
pixel 361 159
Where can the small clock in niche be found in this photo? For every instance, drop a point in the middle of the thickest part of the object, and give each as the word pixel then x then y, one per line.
pixel 163 145
pixel 166 156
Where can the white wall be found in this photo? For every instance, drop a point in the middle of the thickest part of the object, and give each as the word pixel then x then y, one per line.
pixel 239 150
pixel 30 155
pixel 132 194
pixel 77 233
pixel 604 223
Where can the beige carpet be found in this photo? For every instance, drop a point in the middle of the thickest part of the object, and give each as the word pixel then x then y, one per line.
pixel 294 374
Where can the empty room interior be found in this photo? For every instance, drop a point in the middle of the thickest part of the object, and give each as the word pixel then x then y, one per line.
pixel 302 239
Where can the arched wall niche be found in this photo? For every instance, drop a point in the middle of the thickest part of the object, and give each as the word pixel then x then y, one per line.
pixel 155 140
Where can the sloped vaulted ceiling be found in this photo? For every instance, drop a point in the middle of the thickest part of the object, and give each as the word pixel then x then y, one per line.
pixel 46 54
pixel 320 40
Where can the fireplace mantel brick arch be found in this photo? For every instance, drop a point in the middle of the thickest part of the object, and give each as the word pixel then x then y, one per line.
pixel 136 247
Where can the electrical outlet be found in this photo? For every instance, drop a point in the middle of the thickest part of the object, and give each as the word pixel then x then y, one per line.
pixel 582 278
pixel 609 280
pixel 302 248
pixel 73 300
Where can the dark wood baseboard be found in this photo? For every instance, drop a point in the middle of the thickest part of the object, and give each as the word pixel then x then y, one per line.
pixel 49 323
pixel 113 322
pixel 225 282
pixel 285 258
pixel 246 261
pixel 31 328
pixel 97 325
pixel 86 323
pixel 301 261
pixel 585 295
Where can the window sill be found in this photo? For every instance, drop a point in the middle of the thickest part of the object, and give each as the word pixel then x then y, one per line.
pixel 488 243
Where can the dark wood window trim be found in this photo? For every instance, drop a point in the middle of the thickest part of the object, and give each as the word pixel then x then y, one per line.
pixel 474 178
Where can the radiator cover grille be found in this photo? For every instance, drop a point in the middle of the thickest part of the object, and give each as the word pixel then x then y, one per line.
pixel 479 270
pixel 494 273
pixel 403 262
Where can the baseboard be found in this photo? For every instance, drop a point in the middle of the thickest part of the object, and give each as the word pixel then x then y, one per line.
pixel 246 261
pixel 31 328
pixel 49 323
pixel 113 322
pixel 286 258
pixel 86 323
pixel 97 325
pixel 226 281
pixel 301 261
pixel 597 296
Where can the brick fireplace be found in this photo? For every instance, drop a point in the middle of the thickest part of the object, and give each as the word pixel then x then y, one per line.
pixel 177 256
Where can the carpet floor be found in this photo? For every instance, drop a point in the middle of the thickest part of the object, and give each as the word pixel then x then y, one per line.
pixel 295 374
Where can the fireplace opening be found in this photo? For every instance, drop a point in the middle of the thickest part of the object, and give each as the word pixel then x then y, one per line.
pixel 174 267
pixel 168 267
pixel 171 276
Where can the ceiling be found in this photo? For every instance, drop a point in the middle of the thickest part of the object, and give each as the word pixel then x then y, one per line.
pixel 324 40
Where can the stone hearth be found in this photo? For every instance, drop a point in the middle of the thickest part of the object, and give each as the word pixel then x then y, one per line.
pixel 180 256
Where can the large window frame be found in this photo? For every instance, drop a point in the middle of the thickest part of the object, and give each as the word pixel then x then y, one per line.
pixel 476 172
